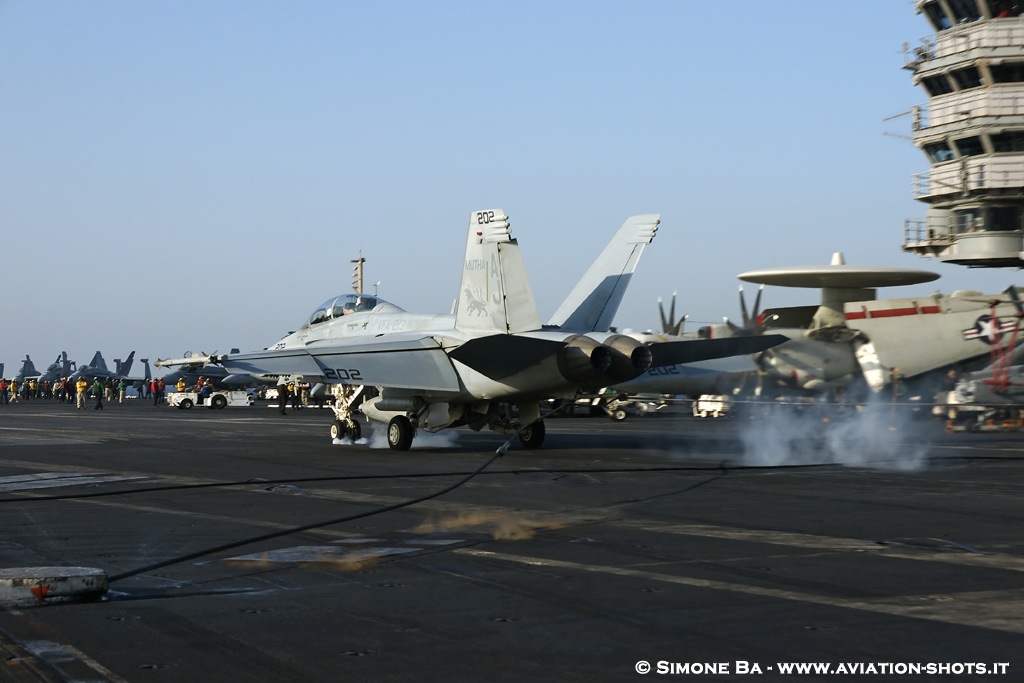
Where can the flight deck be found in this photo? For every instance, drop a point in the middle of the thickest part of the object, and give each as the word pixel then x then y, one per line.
pixel 242 545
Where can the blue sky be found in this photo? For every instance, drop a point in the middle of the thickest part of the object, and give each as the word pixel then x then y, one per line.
pixel 196 176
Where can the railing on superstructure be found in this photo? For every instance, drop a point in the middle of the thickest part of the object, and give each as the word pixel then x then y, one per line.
pixel 964 40
pixel 968 175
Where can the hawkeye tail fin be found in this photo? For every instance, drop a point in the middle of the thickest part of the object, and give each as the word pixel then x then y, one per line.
pixel 495 293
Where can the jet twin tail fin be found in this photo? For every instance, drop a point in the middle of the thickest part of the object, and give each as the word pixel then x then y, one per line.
pixel 28 369
pixel 592 304
pixel 98 363
pixel 124 367
pixel 495 295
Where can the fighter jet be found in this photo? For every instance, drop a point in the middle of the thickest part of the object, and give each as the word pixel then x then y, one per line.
pixel 97 368
pixel 28 370
pixel 200 367
pixel 434 372
pixel 59 369
pixel 590 306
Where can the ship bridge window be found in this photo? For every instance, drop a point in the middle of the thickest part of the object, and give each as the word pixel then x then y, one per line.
pixel 1010 72
pixel 969 146
pixel 1010 141
pixel 1004 8
pixel 989 219
pixel 937 16
pixel 967 78
pixel 939 151
pixel 964 10
pixel 937 85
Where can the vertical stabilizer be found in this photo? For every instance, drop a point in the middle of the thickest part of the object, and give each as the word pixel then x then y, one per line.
pixel 65 364
pixel 495 295
pixel 592 304
pixel 124 367
pixel 98 363
pixel 28 369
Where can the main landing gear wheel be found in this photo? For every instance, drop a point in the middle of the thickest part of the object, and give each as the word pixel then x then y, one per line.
pixel 338 430
pixel 532 436
pixel 618 415
pixel 400 433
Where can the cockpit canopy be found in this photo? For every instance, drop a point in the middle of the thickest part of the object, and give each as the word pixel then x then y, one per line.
pixel 338 306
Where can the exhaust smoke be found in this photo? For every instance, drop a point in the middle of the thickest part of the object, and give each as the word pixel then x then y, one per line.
pixel 876 435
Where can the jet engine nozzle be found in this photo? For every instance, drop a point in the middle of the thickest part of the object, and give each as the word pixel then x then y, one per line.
pixel 629 358
pixel 583 360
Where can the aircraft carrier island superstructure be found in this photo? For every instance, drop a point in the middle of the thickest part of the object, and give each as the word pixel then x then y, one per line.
pixel 972 131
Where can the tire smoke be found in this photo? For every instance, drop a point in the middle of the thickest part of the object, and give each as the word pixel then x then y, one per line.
pixel 877 435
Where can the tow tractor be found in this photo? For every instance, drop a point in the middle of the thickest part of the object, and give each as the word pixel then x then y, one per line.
pixel 184 400
pixel 714 405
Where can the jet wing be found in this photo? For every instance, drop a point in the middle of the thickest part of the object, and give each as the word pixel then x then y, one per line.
pixel 401 362
pixel 693 350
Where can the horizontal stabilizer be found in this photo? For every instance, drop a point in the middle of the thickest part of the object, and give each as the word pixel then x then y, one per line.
pixel 501 355
pixel 693 350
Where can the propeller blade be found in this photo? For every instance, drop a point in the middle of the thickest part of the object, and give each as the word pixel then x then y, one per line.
pixel 1011 291
pixel 755 314
pixel 743 309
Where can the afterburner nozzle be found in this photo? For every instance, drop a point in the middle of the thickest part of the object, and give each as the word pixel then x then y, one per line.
pixel 629 358
pixel 583 360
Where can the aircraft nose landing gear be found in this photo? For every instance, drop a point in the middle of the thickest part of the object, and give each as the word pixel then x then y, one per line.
pixel 342 428
pixel 345 397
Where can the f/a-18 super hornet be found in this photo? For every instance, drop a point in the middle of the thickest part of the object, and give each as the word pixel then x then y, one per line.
pixel 59 369
pixel 432 372
pixel 28 370
pixel 194 366
pixel 97 369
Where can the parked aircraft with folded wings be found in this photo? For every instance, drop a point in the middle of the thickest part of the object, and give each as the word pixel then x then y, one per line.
pixel 28 370
pixel 97 369
pixel 59 369
pixel 434 372
pixel 192 366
